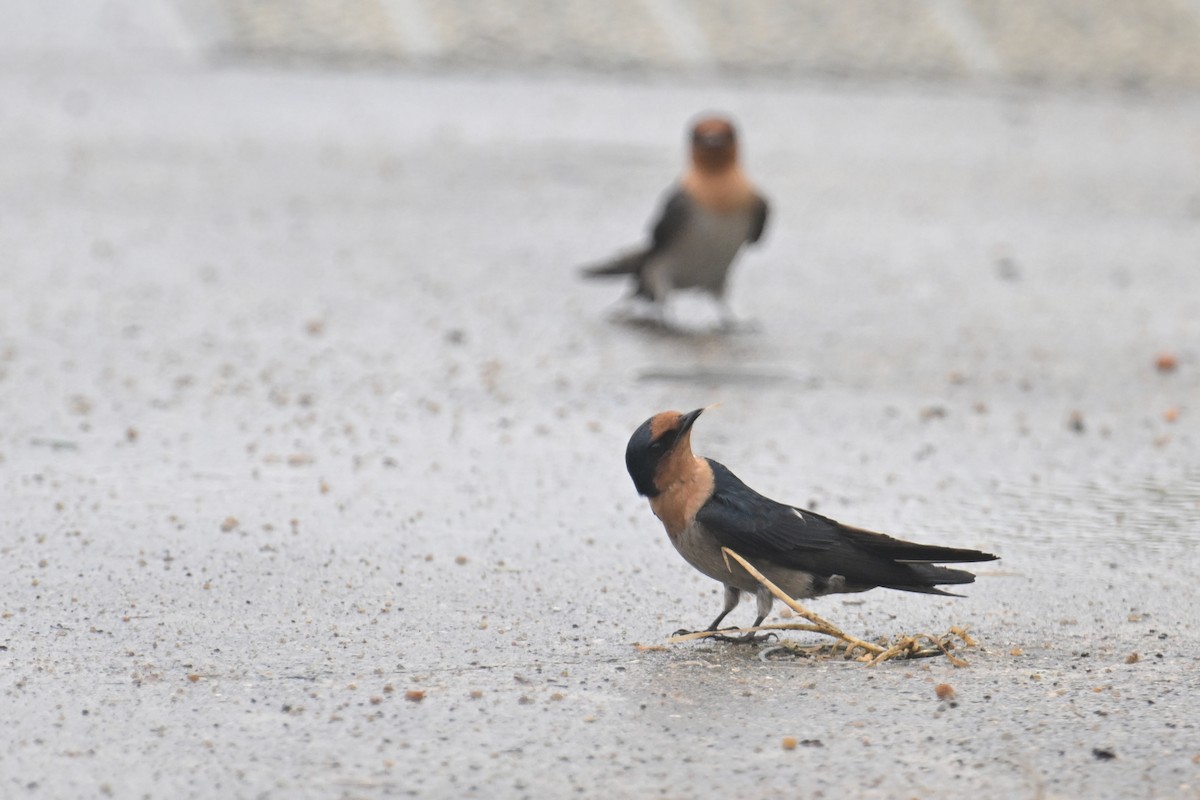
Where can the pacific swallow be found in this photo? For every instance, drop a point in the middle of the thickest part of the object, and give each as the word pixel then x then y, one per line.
pixel 705 507
pixel 704 222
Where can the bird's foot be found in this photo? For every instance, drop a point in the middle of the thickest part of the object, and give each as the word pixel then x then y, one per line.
pixel 648 320
pixel 716 634
pixel 686 632
pixel 625 312
pixel 745 638
pixel 714 631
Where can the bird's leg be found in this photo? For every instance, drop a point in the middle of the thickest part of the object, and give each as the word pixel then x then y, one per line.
pixel 764 608
pixel 728 320
pixel 622 310
pixel 765 601
pixel 655 286
pixel 662 314
pixel 729 323
pixel 823 626
pixel 733 596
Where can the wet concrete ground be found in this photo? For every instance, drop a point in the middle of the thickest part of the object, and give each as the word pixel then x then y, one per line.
pixel 312 456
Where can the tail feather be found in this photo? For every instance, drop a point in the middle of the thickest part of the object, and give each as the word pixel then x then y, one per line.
pixel 628 264
pixel 920 562
pixel 927 577
pixel 904 552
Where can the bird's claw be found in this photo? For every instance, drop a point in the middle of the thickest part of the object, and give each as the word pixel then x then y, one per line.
pixel 746 638
pixel 714 631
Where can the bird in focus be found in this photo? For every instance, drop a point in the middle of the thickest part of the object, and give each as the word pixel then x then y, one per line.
pixel 705 507
pixel 704 222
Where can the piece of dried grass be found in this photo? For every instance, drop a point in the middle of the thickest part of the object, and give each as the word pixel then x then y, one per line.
pixel 871 653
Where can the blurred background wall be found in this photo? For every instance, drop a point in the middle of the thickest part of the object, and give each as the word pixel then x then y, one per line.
pixel 1127 44
pixel 1110 43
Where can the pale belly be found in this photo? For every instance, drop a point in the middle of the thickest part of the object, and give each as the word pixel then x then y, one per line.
pixel 703 552
pixel 701 256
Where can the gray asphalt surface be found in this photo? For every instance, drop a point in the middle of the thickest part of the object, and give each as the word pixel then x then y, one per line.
pixel 306 409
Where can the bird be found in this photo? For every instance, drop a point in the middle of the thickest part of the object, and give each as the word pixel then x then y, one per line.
pixel 705 507
pixel 705 219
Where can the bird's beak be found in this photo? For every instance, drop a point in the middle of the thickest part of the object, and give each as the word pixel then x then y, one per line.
pixel 687 420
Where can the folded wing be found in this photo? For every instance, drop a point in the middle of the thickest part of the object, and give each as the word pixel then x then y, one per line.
pixel 757 527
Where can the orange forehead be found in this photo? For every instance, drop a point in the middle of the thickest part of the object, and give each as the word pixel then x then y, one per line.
pixel 661 423
pixel 713 125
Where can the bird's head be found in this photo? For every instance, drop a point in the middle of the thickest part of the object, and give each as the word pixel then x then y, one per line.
pixel 714 144
pixel 658 442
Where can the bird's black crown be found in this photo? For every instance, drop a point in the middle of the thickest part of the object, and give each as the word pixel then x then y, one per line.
pixel 642 455
pixel 645 452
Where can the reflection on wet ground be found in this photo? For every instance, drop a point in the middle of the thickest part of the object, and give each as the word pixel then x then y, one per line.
pixel 720 376
pixel 1139 512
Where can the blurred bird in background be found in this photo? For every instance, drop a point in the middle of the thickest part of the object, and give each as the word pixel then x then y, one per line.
pixel 706 219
